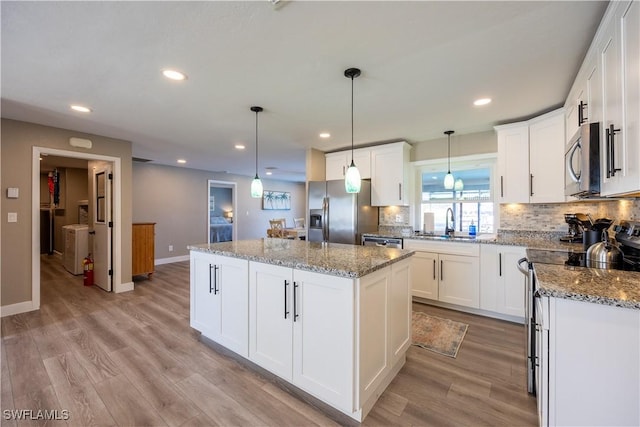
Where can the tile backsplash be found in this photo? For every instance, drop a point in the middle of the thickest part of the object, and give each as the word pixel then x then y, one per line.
pixel 527 217
pixel 550 217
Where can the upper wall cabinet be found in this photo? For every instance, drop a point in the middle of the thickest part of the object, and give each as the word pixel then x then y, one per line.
pixel 386 165
pixel 390 174
pixel 337 163
pixel 619 49
pixel 609 84
pixel 531 160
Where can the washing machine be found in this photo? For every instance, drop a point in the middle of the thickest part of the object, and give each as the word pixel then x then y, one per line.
pixel 76 247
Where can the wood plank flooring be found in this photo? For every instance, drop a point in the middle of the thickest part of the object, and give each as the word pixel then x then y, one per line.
pixel 132 359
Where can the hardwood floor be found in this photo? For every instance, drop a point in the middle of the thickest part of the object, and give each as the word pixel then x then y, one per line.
pixel 132 359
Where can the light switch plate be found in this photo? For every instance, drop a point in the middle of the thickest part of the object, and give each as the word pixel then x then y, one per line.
pixel 12 193
pixel 12 217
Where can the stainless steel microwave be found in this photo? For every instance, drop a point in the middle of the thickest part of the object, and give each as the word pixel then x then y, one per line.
pixel 582 162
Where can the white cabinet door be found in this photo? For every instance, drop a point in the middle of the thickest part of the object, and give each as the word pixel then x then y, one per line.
pixel 459 280
pixel 611 110
pixel 323 336
pixel 336 164
pixel 424 276
pixel 400 307
pixel 511 290
pixel 233 294
pixel 546 159
pixel 389 175
pixel 270 314
pixel 205 305
pixel 502 285
pixel 620 135
pixel 513 163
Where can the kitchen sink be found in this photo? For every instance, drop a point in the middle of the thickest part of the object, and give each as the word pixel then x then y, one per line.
pixel 446 237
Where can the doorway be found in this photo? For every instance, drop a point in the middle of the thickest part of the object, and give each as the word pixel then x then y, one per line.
pixel 221 209
pixel 114 164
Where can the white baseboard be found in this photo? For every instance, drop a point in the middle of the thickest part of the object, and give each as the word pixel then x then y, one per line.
pixel 123 287
pixel 21 307
pixel 180 258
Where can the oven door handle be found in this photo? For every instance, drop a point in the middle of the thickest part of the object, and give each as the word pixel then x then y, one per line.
pixel 524 271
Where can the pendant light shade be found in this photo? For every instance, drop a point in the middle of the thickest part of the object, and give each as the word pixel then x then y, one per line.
pixel 449 182
pixel 459 185
pixel 352 179
pixel 256 184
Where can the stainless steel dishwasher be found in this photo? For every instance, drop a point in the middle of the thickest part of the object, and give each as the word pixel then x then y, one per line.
pixel 385 242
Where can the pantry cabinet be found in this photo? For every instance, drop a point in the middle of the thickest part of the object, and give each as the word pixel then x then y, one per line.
pixel 531 160
pixel 390 174
pixel 219 299
pixel 445 272
pixel 502 285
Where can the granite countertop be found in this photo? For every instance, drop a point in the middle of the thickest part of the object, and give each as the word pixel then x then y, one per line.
pixel 528 239
pixel 327 258
pixel 600 286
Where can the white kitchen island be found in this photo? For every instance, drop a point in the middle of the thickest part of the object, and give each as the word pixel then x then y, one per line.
pixel 333 320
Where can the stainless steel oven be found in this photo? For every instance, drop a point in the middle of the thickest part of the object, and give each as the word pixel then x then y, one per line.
pixel 386 242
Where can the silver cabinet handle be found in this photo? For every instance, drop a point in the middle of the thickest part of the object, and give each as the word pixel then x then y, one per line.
pixel 441 273
pixel 400 191
pixel 500 264
pixel 434 269
pixel 501 186
pixel 531 184
pixel 216 289
pixel 210 281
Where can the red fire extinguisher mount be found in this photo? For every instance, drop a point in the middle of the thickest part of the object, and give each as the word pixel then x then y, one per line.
pixel 87 264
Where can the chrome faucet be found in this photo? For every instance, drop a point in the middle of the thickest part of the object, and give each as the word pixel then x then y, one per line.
pixel 450 230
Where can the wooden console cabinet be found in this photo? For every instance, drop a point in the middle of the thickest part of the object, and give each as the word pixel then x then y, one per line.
pixel 142 248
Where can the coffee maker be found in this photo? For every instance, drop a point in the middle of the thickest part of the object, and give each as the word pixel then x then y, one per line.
pixel 575 228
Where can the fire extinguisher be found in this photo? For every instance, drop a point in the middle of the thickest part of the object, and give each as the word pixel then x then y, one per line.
pixel 87 263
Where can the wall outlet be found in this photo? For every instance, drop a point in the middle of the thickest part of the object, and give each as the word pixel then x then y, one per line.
pixel 170 248
pixel 398 218
pixel 12 216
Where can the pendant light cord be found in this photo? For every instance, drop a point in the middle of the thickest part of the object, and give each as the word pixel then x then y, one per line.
pixel 448 151
pixel 256 144
pixel 352 120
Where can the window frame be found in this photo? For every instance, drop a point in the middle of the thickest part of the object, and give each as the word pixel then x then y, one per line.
pixel 475 161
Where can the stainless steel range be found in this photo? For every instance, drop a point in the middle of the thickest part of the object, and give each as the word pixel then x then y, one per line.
pixel 627 236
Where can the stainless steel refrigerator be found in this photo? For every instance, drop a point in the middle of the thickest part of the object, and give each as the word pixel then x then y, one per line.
pixel 337 216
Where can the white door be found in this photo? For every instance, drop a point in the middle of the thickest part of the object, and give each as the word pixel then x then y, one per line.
pixel 102 227
pixel 270 318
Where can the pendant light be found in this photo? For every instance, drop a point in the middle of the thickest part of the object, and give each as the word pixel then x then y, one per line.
pixel 256 184
pixel 448 179
pixel 352 177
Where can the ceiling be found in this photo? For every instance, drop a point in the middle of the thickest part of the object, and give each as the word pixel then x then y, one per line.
pixel 423 64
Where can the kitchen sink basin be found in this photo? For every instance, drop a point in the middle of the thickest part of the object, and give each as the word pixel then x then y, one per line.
pixel 448 237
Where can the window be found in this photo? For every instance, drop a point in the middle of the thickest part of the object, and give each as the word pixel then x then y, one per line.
pixel 473 202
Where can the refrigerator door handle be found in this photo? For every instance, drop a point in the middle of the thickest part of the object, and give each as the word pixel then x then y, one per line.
pixel 325 219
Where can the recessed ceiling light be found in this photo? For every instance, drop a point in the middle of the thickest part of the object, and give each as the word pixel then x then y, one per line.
pixel 174 75
pixel 325 135
pixel 239 147
pixel 81 109
pixel 481 101
pixel 268 173
pixel 182 161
